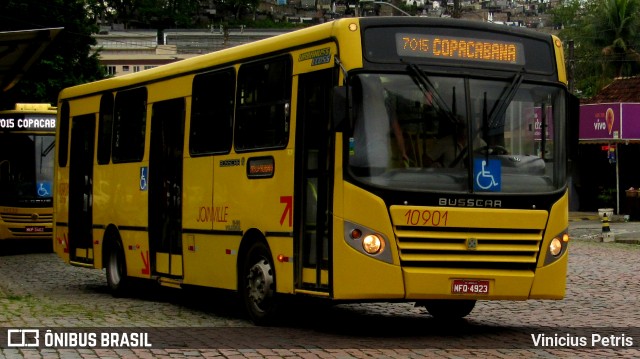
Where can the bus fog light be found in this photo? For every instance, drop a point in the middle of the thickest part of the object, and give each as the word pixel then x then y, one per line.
pixel 373 244
pixel 555 247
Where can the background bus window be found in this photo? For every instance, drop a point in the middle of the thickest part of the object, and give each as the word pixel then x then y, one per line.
pixel 129 125
pixel 212 112
pixel 26 167
pixel 263 99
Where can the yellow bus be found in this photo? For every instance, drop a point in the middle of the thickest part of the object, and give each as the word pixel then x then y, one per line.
pixel 312 164
pixel 27 135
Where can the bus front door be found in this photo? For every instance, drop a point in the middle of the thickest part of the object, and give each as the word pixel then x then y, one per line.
pixel 165 188
pixel 81 189
pixel 313 179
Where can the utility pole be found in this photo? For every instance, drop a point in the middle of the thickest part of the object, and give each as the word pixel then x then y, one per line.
pixel 456 10
pixel 571 69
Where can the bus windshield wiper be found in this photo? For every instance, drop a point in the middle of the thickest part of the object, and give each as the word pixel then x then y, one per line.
pixel 504 100
pixel 44 152
pixel 427 89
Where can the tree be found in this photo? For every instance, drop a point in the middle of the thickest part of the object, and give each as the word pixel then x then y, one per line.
pixel 617 27
pixel 605 36
pixel 161 14
pixel 165 14
pixel 67 61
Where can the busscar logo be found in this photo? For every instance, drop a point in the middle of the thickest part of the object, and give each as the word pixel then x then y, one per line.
pixel 23 338
pixel 470 202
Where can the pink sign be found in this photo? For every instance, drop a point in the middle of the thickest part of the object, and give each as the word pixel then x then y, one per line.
pixel 535 122
pixel 610 121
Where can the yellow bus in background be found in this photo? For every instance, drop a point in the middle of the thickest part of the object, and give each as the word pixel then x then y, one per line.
pixel 313 164
pixel 27 135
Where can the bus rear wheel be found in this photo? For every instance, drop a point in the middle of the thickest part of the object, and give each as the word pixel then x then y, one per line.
pixel 116 270
pixel 449 309
pixel 259 285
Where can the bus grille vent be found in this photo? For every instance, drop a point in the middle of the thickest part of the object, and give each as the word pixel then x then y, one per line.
pixel 468 248
pixel 25 218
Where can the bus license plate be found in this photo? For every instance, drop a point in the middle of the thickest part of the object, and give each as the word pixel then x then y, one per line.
pixel 469 286
pixel 33 229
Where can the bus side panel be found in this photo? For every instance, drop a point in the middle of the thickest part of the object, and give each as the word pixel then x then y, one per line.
pixel 61 242
pixel 557 224
pixel 136 252
pixel 169 89
pixel 357 275
pixel 210 260
pixel 284 268
pixel 263 203
pixel 98 235
pixel 127 209
pixel 204 254
pixel 61 212
pixel 550 280
pixel 128 202
pixel 103 209
pixel 234 204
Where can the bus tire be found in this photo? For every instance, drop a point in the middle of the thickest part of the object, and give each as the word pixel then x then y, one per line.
pixel 449 309
pixel 258 281
pixel 117 279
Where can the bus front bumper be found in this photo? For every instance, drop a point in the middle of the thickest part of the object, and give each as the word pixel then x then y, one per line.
pixel 546 282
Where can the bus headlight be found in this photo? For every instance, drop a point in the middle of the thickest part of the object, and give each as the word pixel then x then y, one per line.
pixel 372 244
pixel 368 241
pixel 555 247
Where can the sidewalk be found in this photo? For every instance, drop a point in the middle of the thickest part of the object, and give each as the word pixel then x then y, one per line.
pixel 588 225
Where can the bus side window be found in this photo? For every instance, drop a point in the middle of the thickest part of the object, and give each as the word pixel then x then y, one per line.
pixel 212 112
pixel 63 141
pixel 129 124
pixel 263 98
pixel 105 128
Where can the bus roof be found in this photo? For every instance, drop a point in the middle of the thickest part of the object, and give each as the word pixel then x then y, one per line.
pixel 273 45
pixel 32 107
pixel 224 57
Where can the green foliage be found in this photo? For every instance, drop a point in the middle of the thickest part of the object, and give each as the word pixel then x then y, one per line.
pixel 66 62
pixel 617 26
pixel 166 13
pixel 605 36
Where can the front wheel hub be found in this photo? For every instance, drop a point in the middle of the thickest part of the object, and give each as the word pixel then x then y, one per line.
pixel 260 282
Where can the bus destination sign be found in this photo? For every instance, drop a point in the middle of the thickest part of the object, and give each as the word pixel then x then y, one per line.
pixel 459 48
pixel 29 122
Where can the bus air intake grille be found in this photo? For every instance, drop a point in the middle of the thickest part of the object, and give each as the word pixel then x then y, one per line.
pixel 26 218
pixel 469 248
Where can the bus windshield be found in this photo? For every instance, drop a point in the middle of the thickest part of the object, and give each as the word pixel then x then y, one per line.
pixel 411 132
pixel 26 168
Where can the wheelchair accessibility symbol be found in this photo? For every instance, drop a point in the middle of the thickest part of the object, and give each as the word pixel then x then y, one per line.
pixel 143 178
pixel 486 175
pixel 44 189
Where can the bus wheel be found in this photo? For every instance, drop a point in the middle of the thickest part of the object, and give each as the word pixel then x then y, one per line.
pixel 259 283
pixel 449 309
pixel 116 269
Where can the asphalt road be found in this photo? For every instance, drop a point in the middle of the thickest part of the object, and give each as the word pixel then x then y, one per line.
pixel 600 316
